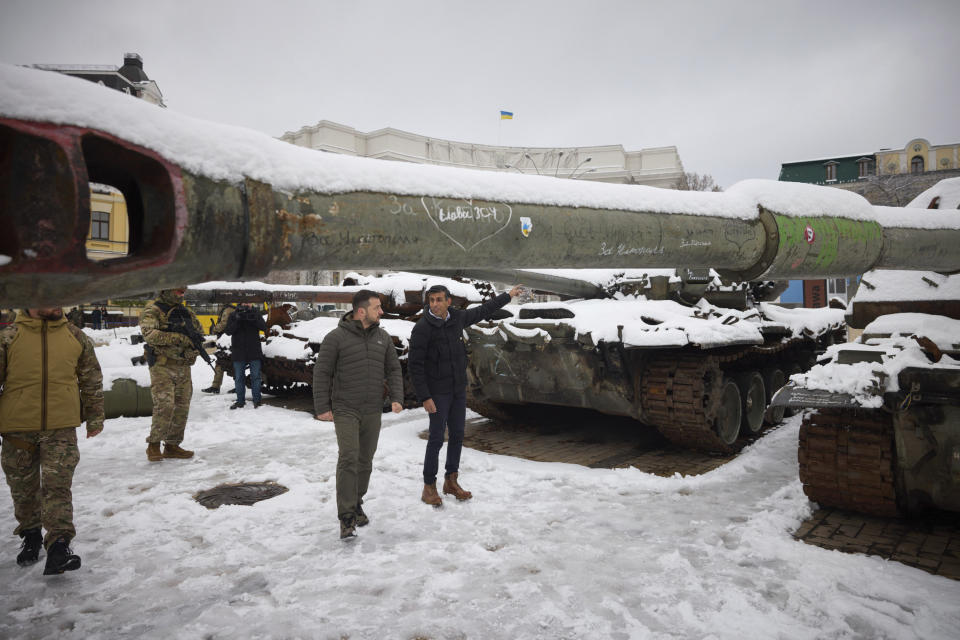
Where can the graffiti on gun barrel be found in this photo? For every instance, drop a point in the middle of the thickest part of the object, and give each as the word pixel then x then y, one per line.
pixel 465 223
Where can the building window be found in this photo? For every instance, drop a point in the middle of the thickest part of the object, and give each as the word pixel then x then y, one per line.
pixel 916 164
pixel 100 226
pixel 866 167
pixel 837 287
pixel 831 171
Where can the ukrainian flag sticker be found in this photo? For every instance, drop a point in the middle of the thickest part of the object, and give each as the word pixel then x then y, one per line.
pixel 526 226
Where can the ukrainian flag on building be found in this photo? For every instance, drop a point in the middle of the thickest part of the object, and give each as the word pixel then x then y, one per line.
pixel 506 115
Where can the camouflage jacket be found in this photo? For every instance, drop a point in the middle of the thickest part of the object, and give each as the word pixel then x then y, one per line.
pixel 221 326
pixel 155 327
pixel 49 377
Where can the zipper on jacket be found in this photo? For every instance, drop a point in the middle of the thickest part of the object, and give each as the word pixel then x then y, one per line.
pixel 43 376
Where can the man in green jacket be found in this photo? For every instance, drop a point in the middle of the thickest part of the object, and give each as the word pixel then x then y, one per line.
pixel 352 364
pixel 51 382
pixel 219 329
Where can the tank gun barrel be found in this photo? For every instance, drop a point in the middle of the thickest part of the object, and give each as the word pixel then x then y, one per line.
pixel 192 225
pixel 573 287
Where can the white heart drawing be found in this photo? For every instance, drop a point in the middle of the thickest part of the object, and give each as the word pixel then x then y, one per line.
pixel 431 213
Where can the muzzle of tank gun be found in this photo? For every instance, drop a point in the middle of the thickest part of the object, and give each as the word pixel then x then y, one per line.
pixel 180 227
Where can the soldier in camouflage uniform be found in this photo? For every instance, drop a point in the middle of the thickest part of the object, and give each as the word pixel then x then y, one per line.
pixel 51 382
pixel 170 384
pixel 218 329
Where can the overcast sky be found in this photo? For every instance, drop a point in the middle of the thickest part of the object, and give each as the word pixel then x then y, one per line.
pixel 737 86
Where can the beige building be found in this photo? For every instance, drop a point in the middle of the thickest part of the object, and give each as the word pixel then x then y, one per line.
pixel 658 166
pixel 918 156
pixel 109 233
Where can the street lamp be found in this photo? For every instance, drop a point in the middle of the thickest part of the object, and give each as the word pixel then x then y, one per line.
pixel 577 168
pixel 510 166
pixel 530 158
pixel 573 177
pixel 559 158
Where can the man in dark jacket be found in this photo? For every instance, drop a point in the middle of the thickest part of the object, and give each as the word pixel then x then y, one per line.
pixel 438 369
pixel 353 362
pixel 244 327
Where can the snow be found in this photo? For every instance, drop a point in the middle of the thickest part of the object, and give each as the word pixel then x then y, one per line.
pixel 948 190
pixel 638 322
pixel 868 381
pixel 942 330
pixel 390 284
pixel 892 285
pixel 544 550
pixel 229 153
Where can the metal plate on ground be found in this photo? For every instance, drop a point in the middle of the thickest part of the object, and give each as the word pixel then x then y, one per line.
pixel 245 493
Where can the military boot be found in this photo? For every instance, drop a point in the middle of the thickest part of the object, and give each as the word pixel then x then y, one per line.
pixel 211 390
pixel 30 547
pixel 430 495
pixel 153 452
pixel 362 519
pixel 60 558
pixel 348 526
pixel 174 451
pixel 451 486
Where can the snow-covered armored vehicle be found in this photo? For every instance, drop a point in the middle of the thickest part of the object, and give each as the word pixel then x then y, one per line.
pixel 649 345
pixel 882 434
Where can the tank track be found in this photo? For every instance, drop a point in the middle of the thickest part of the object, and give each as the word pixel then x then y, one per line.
pixel 847 461
pixel 677 396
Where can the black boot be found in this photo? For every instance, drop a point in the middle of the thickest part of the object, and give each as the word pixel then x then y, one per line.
pixel 30 547
pixel 211 390
pixel 60 558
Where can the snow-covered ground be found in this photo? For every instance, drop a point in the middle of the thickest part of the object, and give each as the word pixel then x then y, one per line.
pixel 544 550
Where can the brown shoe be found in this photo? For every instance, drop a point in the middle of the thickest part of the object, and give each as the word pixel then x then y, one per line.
pixel 430 495
pixel 153 452
pixel 174 451
pixel 451 486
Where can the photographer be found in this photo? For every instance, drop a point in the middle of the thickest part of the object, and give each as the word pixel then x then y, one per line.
pixel 244 326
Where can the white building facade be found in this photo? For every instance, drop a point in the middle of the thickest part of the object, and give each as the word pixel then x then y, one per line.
pixel 658 166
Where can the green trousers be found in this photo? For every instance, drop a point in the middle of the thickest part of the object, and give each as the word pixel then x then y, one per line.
pixel 41 480
pixel 357 437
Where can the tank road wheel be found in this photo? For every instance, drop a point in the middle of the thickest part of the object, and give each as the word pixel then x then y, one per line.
pixel 753 402
pixel 773 380
pixel 846 460
pixel 687 399
pixel 729 412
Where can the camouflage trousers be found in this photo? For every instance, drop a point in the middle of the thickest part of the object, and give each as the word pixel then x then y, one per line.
pixel 171 389
pixel 41 480
pixel 217 376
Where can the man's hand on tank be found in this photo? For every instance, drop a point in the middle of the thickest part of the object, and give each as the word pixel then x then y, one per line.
pixel 326 416
pixel 429 405
pixel 517 290
pixel 396 407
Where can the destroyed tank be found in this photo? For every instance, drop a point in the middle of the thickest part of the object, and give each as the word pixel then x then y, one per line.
pixel 694 356
pixel 881 434
pixel 209 202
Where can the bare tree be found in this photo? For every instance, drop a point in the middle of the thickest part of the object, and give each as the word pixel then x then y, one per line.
pixel 697 182
pixel 894 190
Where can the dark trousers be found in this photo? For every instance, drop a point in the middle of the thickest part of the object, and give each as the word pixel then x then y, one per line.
pixel 239 380
pixel 451 415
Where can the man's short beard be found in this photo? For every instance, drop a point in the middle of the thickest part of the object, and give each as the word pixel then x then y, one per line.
pixel 51 315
